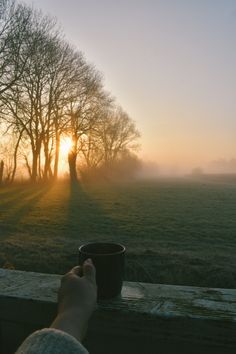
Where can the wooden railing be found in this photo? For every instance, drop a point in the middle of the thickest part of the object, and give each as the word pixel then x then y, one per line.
pixel 147 318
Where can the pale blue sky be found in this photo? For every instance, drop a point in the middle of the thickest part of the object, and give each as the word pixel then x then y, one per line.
pixel 170 63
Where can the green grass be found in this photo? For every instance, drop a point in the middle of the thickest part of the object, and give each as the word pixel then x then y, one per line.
pixel 175 231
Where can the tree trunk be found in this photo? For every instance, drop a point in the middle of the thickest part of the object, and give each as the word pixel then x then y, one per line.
pixel 28 167
pixel 1 171
pixel 34 171
pixel 46 164
pixel 50 171
pixel 72 156
pixel 15 157
pixel 39 168
pixel 56 161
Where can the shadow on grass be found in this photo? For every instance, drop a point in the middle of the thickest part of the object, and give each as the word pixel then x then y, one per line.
pixel 21 204
pixel 9 190
pixel 88 221
pixel 16 195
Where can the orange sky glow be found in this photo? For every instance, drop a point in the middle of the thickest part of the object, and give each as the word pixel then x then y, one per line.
pixel 170 64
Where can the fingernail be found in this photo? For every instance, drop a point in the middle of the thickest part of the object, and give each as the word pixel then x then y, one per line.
pixel 89 261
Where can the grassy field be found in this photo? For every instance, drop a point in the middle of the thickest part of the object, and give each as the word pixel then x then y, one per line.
pixel 176 231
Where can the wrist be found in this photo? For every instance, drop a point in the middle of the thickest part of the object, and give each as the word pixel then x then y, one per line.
pixel 72 323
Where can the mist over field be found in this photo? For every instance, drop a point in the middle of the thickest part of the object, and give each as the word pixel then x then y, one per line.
pixel 151 169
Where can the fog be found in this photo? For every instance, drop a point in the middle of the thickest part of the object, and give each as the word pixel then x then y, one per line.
pixel 151 169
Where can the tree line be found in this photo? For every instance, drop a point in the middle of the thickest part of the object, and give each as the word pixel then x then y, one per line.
pixel 48 90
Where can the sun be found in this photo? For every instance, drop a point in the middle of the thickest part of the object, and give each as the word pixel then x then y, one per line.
pixel 65 145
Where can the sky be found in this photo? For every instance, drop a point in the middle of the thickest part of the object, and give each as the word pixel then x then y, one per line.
pixel 171 66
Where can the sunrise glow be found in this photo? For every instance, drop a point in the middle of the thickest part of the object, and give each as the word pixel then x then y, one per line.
pixel 65 145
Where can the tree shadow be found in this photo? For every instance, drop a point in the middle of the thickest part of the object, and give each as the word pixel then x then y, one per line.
pixel 16 194
pixel 8 190
pixel 21 205
pixel 87 220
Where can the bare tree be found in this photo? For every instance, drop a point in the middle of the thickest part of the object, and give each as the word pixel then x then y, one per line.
pixel 6 157
pixel 84 109
pixel 118 133
pixel 27 101
pixel 14 20
pixel 47 89
pixel 114 134
pixel 68 69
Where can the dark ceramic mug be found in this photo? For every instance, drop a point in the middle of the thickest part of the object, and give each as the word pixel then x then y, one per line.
pixel 108 259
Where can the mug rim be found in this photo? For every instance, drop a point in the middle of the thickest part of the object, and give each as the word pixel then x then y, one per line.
pixel 123 249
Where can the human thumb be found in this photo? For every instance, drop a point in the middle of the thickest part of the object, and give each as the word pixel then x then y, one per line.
pixel 89 270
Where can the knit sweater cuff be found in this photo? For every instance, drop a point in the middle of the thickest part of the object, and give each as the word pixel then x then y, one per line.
pixel 51 341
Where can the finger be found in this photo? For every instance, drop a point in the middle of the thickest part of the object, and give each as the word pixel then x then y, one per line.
pixel 77 271
pixel 89 270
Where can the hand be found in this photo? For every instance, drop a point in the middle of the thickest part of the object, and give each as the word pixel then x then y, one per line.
pixel 77 300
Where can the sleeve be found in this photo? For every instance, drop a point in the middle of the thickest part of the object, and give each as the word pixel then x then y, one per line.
pixel 51 341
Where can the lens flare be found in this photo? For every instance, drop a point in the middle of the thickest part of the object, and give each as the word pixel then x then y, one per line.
pixel 65 145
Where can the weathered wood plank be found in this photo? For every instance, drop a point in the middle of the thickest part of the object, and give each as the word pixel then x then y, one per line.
pixel 153 299
pixel 143 318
